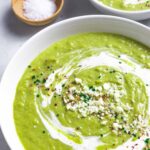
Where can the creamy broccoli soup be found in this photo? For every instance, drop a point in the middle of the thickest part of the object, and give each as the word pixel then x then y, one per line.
pixel 87 92
pixel 130 5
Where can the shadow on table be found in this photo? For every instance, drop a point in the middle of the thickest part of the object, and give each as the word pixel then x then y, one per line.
pixel 3 144
pixel 16 27
pixel 72 9
pixel 78 8
pixel 146 22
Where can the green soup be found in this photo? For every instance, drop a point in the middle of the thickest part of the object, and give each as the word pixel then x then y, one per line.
pixel 129 5
pixel 88 91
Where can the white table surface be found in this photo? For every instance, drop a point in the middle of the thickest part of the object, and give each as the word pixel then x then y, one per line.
pixel 14 33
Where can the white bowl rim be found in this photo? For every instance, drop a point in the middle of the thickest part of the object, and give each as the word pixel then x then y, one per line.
pixel 119 11
pixel 2 122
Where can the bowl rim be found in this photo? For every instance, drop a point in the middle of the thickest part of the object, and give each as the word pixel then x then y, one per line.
pixel 119 11
pixel 22 48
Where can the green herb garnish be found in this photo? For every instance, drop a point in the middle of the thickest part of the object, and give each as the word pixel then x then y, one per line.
pixel 85 97
pixel 92 88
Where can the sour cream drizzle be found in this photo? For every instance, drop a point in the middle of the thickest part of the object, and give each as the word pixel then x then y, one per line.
pixel 53 125
pixel 109 60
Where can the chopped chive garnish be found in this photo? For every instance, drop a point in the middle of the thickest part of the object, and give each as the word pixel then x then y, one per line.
pixel 44 80
pixel 99 76
pixel 134 135
pixel 92 88
pixel 37 95
pixel 33 77
pixel 37 81
pixel 43 132
pixel 147 141
pixel 63 85
pixel 85 97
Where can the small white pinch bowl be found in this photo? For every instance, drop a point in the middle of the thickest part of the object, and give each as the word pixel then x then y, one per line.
pixel 135 15
pixel 35 45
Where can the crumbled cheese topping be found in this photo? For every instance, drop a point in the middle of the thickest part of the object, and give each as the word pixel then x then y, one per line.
pixel 92 101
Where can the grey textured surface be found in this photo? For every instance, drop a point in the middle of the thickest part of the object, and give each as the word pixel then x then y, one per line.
pixel 14 33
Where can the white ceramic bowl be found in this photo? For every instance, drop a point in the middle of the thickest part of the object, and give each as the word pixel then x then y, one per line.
pixel 135 15
pixel 42 40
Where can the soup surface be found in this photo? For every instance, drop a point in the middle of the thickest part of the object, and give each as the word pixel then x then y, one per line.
pixel 88 91
pixel 129 5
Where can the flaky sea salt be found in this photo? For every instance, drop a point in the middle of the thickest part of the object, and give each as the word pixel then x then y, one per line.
pixel 39 10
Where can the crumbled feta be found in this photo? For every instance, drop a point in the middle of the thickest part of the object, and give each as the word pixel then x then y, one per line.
pixel 106 86
pixel 77 80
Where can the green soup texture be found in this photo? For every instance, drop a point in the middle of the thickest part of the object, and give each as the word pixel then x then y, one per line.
pixel 129 5
pixel 89 91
